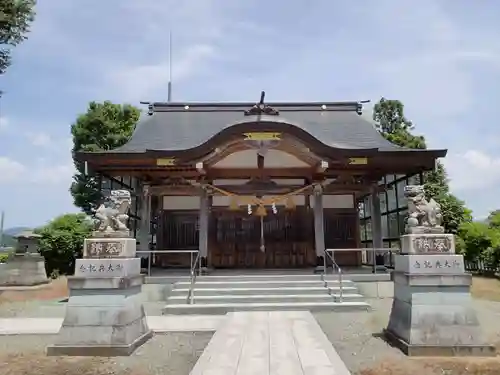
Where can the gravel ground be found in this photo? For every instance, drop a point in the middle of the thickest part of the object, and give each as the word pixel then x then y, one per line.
pixel 164 354
pixel 55 309
pixel 354 334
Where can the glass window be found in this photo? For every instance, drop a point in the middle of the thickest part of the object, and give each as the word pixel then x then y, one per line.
pixel 402 220
pixel 361 209
pixel 382 181
pixel 368 226
pixel 391 198
pixel 367 206
pixel 399 176
pixel 362 230
pixel 133 204
pixel 393 225
pixel 389 178
pixel 383 202
pixel 105 183
pixel 414 180
pixel 385 229
pixel 401 193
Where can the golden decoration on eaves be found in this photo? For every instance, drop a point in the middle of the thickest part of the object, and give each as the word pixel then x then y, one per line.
pixel 261 211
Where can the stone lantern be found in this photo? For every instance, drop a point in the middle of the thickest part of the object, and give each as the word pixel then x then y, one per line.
pixel 26 267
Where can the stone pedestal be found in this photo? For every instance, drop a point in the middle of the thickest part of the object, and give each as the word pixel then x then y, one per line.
pixel 104 314
pixel 432 311
pixel 24 269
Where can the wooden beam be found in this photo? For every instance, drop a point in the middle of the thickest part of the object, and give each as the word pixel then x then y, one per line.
pixel 227 173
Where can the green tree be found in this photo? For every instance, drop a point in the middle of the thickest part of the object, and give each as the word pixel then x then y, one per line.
pixel 454 210
pixel 105 126
pixel 392 123
pixel 494 219
pixel 15 19
pixel 477 239
pixel 62 242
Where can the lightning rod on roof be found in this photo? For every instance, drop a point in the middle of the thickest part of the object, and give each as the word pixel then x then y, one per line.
pixel 169 98
pixel 2 219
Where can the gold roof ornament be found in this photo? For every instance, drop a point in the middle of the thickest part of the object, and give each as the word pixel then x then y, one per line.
pixel 261 211
pixel 234 204
pixel 290 204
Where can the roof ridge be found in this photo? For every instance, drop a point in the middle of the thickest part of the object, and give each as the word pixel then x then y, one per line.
pixel 355 106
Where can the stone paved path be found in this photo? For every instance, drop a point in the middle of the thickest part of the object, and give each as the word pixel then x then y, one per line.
pixel 245 343
pixel 270 343
pixel 174 323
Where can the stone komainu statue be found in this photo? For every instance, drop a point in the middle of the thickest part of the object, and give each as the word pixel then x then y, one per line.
pixel 112 213
pixel 423 216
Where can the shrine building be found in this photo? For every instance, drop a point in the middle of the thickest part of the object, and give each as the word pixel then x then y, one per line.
pixel 261 185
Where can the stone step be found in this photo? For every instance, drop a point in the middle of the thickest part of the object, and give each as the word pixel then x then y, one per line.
pixel 229 290
pixel 264 298
pixel 276 283
pixel 265 277
pixel 223 308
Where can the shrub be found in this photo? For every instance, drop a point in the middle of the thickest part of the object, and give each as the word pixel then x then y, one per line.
pixel 62 242
pixel 4 257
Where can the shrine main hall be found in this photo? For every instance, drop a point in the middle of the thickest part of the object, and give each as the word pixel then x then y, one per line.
pixel 266 185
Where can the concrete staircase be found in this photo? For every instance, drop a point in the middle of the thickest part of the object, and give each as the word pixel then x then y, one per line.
pixel 264 292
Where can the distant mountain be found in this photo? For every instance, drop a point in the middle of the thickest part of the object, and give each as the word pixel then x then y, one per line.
pixel 15 230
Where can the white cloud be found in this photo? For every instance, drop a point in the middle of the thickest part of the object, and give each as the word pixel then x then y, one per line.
pixel 41 172
pixel 472 170
pixel 10 170
pixel 4 123
pixel 137 82
pixel 39 139
pixel 53 174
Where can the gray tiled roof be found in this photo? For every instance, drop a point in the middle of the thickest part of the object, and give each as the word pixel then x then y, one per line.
pixel 172 127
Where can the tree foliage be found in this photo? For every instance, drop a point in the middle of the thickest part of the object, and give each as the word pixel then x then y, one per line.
pixel 105 126
pixel 454 210
pixel 15 19
pixel 494 219
pixel 392 123
pixel 481 241
pixel 396 128
pixel 62 242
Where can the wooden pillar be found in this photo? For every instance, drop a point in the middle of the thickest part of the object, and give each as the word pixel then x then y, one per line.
pixel 145 221
pixel 319 227
pixel 203 228
pixel 376 217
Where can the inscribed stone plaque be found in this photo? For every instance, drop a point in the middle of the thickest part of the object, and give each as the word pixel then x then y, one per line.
pixel 430 264
pixel 428 244
pixel 108 267
pixel 109 248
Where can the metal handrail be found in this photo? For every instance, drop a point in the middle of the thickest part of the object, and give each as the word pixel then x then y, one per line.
pixel 191 252
pixel 192 281
pixel 386 250
pixel 341 288
pixel 395 249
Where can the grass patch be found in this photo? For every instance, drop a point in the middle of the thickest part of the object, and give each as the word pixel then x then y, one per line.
pixel 487 288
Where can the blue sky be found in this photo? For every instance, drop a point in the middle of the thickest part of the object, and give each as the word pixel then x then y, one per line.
pixel 441 58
